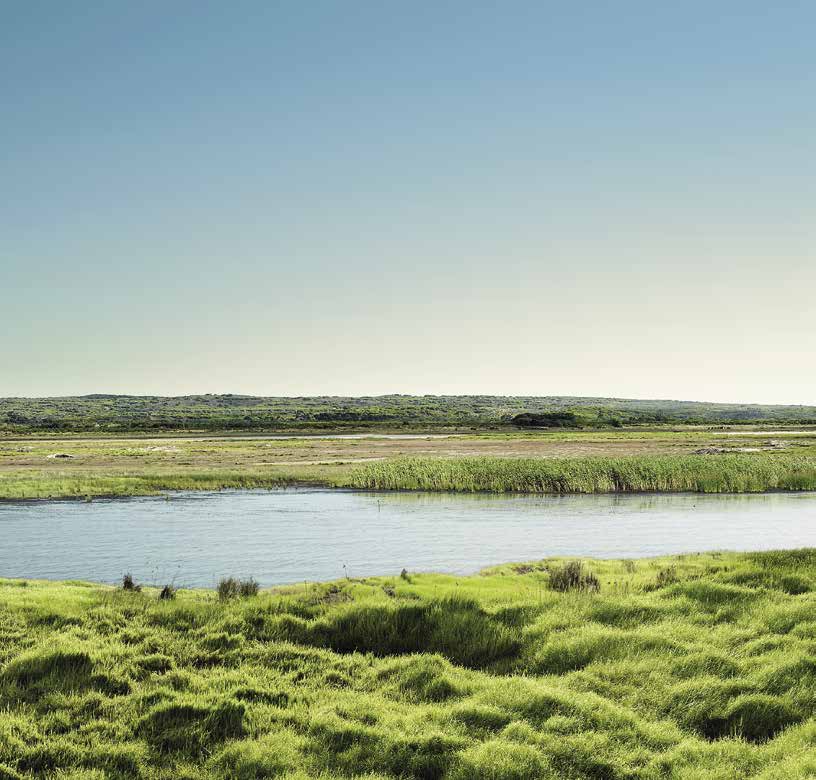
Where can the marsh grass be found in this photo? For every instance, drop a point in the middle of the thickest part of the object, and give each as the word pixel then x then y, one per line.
pixel 727 473
pixel 30 484
pixel 129 584
pixel 666 576
pixel 490 677
pixel 233 588
pixel 168 592
pixel 521 463
pixel 573 576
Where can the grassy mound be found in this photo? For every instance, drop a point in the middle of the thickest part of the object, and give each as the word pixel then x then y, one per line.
pixel 691 667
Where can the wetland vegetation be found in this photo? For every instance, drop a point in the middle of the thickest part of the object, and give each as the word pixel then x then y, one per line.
pixel 696 666
pixel 727 473
pixel 630 458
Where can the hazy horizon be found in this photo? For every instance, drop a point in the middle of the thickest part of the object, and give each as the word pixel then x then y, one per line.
pixel 288 199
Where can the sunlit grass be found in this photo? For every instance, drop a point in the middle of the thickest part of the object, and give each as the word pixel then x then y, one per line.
pixel 706 673
pixel 724 473
pixel 88 484
pixel 737 473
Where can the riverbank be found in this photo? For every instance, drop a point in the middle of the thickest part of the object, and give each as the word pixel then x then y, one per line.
pixel 30 484
pixel 692 666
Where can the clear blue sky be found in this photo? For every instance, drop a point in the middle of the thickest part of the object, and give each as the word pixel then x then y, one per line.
pixel 285 198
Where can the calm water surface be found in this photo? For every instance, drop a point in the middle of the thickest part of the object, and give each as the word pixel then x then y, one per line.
pixel 293 535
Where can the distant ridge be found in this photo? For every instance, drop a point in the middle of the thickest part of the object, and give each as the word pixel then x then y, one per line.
pixel 228 411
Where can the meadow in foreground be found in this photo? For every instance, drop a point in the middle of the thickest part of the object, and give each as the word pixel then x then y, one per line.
pixel 697 666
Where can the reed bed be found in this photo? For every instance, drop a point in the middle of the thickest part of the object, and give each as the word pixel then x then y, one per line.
pixel 738 473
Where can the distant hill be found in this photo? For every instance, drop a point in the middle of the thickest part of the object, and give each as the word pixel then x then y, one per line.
pixel 105 412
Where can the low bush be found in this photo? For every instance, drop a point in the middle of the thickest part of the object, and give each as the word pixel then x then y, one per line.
pixel 666 576
pixel 572 576
pixel 168 593
pixel 232 588
pixel 128 583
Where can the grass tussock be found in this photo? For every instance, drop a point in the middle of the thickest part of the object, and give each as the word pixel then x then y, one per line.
pixel 573 576
pixel 189 726
pixel 730 473
pixel 699 666
pixel 234 588
pixel 128 583
pixel 168 592
pixel 455 627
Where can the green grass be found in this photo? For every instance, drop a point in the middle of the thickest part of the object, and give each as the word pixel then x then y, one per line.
pixel 33 484
pixel 728 473
pixel 699 666
pixel 721 473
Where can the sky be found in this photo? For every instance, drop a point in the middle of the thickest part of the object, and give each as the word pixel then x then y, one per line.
pixel 357 198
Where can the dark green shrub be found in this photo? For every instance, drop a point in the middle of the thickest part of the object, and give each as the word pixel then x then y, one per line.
pixel 233 588
pixel 571 576
pixel 228 588
pixel 168 593
pixel 128 583
pixel 667 576
pixel 546 420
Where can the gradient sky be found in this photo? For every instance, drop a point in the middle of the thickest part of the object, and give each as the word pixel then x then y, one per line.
pixel 286 198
